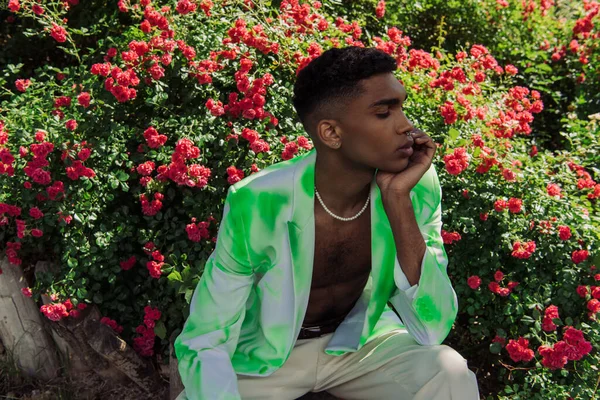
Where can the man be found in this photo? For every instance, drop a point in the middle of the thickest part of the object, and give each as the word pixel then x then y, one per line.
pixel 309 288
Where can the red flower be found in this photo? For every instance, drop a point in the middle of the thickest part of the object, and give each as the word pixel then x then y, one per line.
pixel 58 33
pixel 494 287
pixel 84 154
pixel 509 175
pixel 26 292
pixel 112 324
pixel 260 146
pixel 35 213
pixel 534 151
pixel 552 358
pixel 13 5
pixel 593 305
pixel 511 285
pixel 154 268
pixel 71 124
pixel 523 250
pixel 579 256
pixel 157 256
pixel 564 232
pixel 22 84
pixel 500 205
pixel 234 175
pixel 146 168
pixel 153 138
pixel 498 339
pixel 578 346
pixel 550 313
pixel 450 237
pixel 514 205
pixel 582 291
pixel 474 282
pixel 37 233
pixel 380 9
pixel 498 276
pixel 519 350
pixel 197 232
pixel 449 113
pixel 151 313
pixel 291 148
pixel 84 99
pixel 128 264
pixel 457 162
pixel 553 190
pixel 478 50
pixel 54 311
pixel 511 69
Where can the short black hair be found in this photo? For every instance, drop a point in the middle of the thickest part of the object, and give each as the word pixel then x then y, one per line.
pixel 330 82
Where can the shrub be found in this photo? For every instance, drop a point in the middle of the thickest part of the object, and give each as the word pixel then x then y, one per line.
pixel 115 168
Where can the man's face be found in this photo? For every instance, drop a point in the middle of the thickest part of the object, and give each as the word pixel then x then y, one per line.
pixel 374 126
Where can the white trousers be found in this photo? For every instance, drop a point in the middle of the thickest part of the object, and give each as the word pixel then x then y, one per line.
pixel 393 366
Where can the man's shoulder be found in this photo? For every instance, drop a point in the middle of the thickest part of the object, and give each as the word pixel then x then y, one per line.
pixel 276 178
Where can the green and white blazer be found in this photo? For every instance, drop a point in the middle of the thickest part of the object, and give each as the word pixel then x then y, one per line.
pixel 250 302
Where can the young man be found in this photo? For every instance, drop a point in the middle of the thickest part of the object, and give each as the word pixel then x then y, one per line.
pixel 329 271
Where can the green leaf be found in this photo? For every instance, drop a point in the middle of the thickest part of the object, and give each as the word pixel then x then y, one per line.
pixel 527 319
pixel 175 276
pixel 454 133
pixel 544 68
pixel 98 298
pixel 122 176
pixel 71 262
pixel 160 330
pixel 188 295
pixel 495 348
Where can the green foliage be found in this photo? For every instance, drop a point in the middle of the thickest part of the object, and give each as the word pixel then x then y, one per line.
pixel 109 222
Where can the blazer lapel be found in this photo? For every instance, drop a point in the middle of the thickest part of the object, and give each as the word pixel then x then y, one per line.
pixel 383 254
pixel 301 233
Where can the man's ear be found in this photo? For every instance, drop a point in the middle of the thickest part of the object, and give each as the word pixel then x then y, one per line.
pixel 328 132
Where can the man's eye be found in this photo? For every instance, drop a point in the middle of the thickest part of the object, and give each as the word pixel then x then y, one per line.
pixel 382 116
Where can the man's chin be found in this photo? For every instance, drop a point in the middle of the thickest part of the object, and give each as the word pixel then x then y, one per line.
pixel 395 167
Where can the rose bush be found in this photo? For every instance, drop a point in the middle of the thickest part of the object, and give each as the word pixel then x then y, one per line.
pixel 552 43
pixel 115 168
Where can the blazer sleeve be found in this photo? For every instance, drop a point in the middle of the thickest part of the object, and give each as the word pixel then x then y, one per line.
pixel 210 335
pixel 428 309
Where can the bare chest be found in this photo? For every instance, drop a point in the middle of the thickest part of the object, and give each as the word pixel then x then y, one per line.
pixel 342 252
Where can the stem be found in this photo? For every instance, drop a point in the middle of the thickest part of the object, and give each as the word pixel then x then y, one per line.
pixel 596 388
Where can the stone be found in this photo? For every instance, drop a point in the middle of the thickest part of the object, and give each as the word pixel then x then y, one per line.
pixel 22 329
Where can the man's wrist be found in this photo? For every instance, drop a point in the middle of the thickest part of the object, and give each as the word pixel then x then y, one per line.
pixel 396 199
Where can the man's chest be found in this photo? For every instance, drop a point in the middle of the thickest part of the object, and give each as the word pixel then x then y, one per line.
pixel 342 251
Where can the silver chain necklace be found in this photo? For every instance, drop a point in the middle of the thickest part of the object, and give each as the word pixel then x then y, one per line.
pixel 342 218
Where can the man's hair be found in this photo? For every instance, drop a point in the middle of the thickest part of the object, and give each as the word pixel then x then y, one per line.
pixel 330 82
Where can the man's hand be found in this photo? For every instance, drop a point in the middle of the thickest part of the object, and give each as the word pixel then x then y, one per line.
pixel 401 183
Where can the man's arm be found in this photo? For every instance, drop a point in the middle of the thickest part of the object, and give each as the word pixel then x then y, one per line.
pixel 410 246
pixel 210 335
pixel 424 296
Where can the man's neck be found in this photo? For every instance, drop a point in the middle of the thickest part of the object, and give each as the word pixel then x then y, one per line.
pixel 344 187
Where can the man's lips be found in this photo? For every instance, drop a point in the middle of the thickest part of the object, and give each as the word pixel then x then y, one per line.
pixel 406 150
pixel 408 145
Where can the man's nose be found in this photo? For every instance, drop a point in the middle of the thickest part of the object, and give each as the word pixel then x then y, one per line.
pixel 404 125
